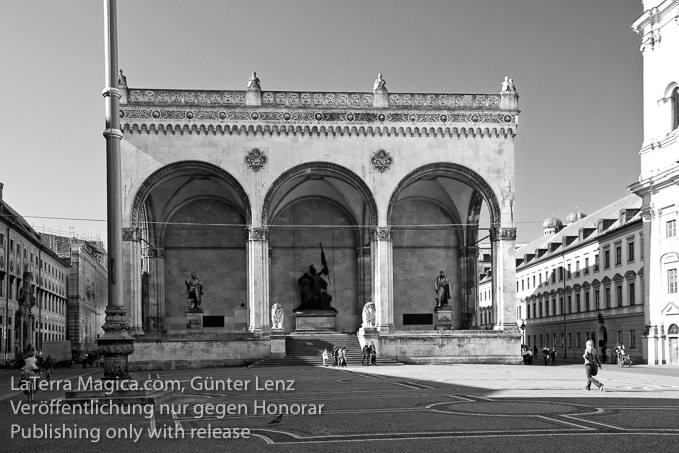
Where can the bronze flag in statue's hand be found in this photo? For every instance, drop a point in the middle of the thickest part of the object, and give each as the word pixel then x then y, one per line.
pixel 324 263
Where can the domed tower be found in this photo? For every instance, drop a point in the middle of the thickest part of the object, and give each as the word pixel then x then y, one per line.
pixel 574 216
pixel 552 225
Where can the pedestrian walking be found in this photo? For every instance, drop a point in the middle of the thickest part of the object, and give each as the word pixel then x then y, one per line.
pixel 334 355
pixel 366 355
pixel 552 355
pixel 592 365
pixel 325 357
pixel 49 363
pixel 545 354
pixel 373 355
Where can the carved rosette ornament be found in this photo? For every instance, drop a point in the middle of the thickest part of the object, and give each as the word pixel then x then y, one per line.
pixel 382 234
pixel 381 161
pixel 256 159
pixel 258 234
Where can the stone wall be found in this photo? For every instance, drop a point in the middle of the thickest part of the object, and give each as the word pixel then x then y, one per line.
pixel 198 351
pixel 466 346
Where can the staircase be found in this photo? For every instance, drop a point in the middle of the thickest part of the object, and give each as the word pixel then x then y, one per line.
pixel 307 349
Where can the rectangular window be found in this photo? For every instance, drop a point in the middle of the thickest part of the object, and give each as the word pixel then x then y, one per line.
pixel 641 246
pixel 631 296
pixel 671 228
pixel 577 340
pixel 619 336
pixel 554 305
pixel 618 295
pixel 632 339
pixel 577 302
pixel 568 273
pixel 596 263
pixel 587 307
pixel 630 251
pixel 553 277
pixel 540 279
pixel 577 268
pixel 671 281
pixel 618 255
pixel 607 259
pixel 560 273
pixel 528 311
pixel 522 285
pixel 570 340
pixel 533 281
pixel 597 299
pixel 608 297
pixel 586 266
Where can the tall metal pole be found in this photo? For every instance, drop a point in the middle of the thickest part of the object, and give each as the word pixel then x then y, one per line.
pixel 115 344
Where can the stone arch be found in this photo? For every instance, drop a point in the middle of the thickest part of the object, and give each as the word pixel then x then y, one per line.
pixel 456 171
pixel 167 171
pixel 323 168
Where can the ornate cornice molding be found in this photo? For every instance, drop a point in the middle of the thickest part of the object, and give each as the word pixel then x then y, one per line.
pixel 381 234
pixel 186 128
pixel 258 234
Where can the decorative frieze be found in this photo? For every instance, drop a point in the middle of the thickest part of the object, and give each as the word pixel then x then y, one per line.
pixel 258 234
pixel 381 234
pixel 256 159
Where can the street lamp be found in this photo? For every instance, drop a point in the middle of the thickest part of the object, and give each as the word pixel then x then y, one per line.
pixel 523 328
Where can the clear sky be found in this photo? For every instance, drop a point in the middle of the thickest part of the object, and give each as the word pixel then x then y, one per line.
pixel 576 65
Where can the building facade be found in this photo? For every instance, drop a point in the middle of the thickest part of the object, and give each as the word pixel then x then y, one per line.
pixel 583 279
pixel 243 188
pixel 658 183
pixel 87 288
pixel 33 281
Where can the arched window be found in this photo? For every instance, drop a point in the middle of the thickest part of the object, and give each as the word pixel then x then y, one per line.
pixel 675 108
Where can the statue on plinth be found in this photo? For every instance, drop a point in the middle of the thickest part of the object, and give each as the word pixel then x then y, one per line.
pixel 380 84
pixel 369 319
pixel 194 293
pixel 253 82
pixel 314 290
pixel 277 316
pixel 442 289
pixel 508 85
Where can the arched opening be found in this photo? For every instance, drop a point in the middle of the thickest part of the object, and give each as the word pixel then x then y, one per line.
pixel 313 205
pixel 441 216
pixel 192 218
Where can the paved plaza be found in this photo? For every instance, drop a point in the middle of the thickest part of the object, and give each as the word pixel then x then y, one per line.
pixel 385 408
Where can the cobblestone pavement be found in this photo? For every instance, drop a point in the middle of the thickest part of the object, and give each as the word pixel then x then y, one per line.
pixel 391 408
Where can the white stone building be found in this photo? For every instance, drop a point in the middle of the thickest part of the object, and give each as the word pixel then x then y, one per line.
pixel 658 183
pixel 583 279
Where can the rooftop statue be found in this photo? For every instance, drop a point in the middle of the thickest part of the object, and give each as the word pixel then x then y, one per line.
pixel 508 85
pixel 380 84
pixel 122 80
pixel 253 83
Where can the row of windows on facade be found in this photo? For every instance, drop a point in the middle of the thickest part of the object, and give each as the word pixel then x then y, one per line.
pixel 578 340
pixel 47 336
pixel 525 283
pixel 46 266
pixel 49 303
pixel 543 308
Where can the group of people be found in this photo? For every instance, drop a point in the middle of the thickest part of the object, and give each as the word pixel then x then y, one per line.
pixel 369 355
pixel 548 354
pixel 339 356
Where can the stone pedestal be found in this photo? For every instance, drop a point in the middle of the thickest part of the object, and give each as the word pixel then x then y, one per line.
pixel 367 335
pixel 443 318
pixel 381 98
pixel 278 344
pixel 315 321
pixel 194 322
pixel 253 96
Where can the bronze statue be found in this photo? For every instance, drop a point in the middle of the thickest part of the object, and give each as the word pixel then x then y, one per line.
pixel 314 290
pixel 442 289
pixel 194 293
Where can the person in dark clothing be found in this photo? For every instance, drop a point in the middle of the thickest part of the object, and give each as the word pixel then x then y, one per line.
pixel 552 355
pixel 545 354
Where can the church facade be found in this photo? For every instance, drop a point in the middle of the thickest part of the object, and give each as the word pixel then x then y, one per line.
pixel 247 189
